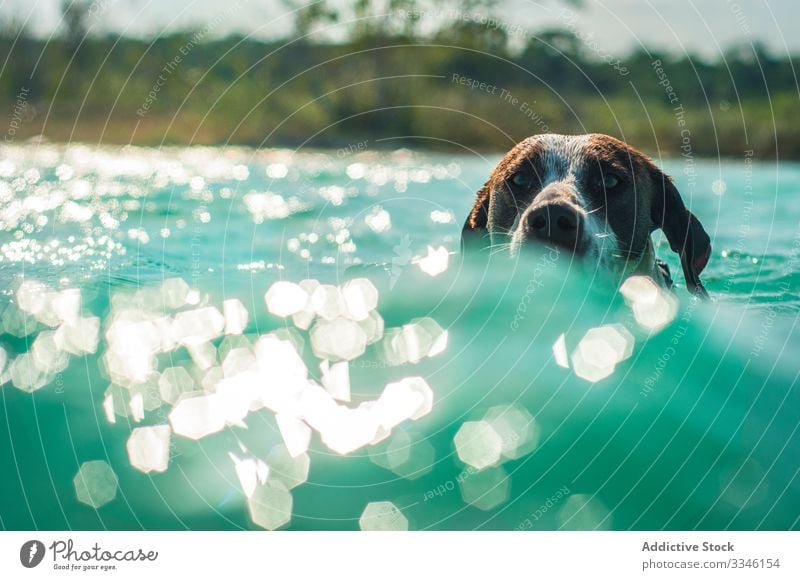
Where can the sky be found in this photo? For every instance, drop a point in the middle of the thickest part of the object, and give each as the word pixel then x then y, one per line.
pixel 704 27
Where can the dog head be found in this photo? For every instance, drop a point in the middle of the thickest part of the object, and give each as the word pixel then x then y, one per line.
pixel 592 195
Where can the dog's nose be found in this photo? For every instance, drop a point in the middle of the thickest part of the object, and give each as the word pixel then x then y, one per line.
pixel 555 223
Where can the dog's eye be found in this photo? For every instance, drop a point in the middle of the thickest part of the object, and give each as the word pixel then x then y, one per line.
pixel 610 181
pixel 520 179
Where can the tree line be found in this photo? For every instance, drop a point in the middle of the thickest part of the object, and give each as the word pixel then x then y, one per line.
pixel 448 75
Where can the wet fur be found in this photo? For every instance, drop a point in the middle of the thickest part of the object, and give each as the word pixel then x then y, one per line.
pixel 617 224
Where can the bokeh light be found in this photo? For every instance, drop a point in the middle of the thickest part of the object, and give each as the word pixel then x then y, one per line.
pixel 478 444
pixel 485 489
pixel 653 307
pixel 383 516
pixel 148 448
pixel 95 483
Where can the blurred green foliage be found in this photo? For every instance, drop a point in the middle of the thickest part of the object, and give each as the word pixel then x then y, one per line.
pixel 389 80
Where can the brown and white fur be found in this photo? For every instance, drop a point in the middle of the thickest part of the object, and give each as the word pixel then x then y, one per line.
pixel 593 195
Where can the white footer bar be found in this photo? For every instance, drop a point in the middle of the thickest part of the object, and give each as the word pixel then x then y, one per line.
pixel 407 556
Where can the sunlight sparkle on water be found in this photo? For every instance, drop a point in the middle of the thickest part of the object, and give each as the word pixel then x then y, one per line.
pixel 285 298
pixel 174 292
pixel 560 352
pixel 339 339
pixel 79 336
pixel 174 383
pixel 95 483
pixel 295 432
pixel 203 354
pixel 279 358
pixel 238 360
pixel 373 327
pixel 327 302
pixel 378 220
pixel 599 351
pixel 346 430
pixel 414 341
pixel 197 326
pixel 38 300
pixel 404 453
pixel 47 354
pixel 518 430
pixel 435 262
pixel 652 306
pixel 442 217
pixel 277 170
pixel 235 316
pixel 583 513
pixel 270 505
pixel 360 298
pixel 196 417
pixel 410 398
pixel 131 346
pixel 271 206
pixel 148 448
pixel 237 396
pixel 382 516
pixel 290 470
pixel 251 472
pixel 228 375
pixel 336 379
pixel 26 374
pixel 485 489
pixel 478 444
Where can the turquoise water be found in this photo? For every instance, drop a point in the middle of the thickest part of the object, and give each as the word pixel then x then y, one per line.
pixel 697 428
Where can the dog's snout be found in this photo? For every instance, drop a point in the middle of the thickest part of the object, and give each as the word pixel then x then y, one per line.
pixel 556 223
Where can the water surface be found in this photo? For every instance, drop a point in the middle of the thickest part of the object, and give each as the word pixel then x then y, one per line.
pixel 695 429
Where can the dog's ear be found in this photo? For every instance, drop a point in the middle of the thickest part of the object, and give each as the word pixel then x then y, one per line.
pixel 475 233
pixel 683 230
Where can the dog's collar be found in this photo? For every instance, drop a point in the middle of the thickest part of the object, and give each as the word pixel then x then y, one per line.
pixel 648 265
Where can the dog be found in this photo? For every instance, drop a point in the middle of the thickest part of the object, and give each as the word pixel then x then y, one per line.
pixel 593 195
